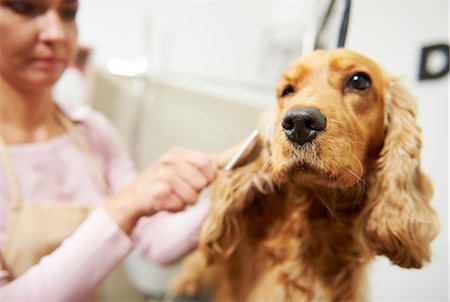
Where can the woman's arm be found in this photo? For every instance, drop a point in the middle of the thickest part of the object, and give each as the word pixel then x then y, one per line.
pixel 74 270
pixel 166 237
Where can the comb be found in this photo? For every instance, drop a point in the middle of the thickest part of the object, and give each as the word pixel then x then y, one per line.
pixel 248 141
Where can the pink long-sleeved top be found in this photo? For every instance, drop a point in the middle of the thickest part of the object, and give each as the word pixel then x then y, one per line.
pixel 56 170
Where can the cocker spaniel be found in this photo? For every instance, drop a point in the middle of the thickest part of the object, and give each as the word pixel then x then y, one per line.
pixel 333 180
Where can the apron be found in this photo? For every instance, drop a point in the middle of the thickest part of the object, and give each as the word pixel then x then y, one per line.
pixel 34 230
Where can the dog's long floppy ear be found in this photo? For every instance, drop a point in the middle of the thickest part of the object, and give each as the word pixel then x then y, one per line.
pixel 232 191
pixel 398 220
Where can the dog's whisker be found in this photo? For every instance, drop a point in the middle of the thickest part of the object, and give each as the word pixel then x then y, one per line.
pixel 327 207
pixel 359 175
pixel 358 178
pixel 359 192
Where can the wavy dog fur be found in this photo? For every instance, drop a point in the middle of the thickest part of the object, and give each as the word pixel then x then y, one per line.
pixel 300 222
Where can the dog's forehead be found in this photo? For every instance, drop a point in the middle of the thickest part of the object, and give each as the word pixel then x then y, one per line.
pixel 338 60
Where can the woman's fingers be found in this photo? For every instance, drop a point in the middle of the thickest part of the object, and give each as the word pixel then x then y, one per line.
pixel 186 172
pixel 184 189
pixel 202 161
pixel 160 196
pixel 192 175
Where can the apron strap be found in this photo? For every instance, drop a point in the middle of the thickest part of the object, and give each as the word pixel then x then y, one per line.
pixel 9 174
pixel 86 151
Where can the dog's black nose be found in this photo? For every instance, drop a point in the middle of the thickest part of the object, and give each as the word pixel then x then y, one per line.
pixel 302 125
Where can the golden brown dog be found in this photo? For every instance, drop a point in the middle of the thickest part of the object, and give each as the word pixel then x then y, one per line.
pixel 333 180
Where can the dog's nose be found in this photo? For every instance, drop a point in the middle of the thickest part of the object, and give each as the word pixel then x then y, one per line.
pixel 301 125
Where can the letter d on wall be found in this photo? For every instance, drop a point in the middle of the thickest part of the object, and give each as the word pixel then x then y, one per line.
pixel 425 72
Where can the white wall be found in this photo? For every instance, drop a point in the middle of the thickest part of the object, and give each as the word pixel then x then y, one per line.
pixel 238 48
pixel 231 43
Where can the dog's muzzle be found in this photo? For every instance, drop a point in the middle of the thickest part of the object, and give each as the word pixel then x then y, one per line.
pixel 301 125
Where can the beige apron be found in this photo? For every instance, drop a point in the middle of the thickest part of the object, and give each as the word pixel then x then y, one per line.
pixel 34 230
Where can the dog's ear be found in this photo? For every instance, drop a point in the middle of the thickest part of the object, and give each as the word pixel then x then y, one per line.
pixel 398 220
pixel 232 191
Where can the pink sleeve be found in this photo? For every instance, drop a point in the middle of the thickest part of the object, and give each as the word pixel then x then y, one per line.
pixel 74 270
pixel 164 238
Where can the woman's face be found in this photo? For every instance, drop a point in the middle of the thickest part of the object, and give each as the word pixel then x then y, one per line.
pixel 37 41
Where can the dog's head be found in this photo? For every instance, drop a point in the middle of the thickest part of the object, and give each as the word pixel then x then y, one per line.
pixel 340 122
pixel 330 122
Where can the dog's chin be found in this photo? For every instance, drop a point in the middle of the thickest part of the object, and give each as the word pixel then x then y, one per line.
pixel 306 174
pixel 304 167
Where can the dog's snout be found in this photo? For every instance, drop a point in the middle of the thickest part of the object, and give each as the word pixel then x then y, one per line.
pixel 302 125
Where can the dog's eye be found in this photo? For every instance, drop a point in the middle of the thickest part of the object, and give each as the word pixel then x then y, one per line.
pixel 359 81
pixel 287 91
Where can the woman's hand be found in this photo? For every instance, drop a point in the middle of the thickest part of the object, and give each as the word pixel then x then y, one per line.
pixel 170 184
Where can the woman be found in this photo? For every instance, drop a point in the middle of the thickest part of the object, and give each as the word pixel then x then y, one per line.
pixel 66 178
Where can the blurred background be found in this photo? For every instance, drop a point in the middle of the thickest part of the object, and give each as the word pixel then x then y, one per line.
pixel 198 73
